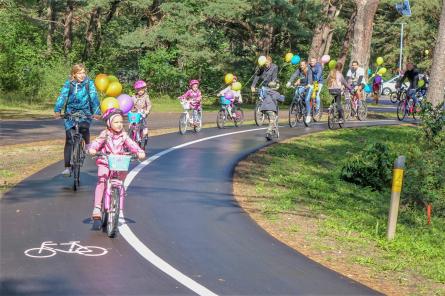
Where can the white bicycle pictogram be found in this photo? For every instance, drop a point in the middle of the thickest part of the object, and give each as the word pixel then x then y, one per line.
pixel 46 250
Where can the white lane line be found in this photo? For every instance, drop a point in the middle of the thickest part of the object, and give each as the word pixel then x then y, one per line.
pixel 142 249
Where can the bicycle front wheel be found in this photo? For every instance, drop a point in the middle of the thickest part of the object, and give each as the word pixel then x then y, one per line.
pixel 317 113
pixel 198 124
pixel 221 118
pixel 113 213
pixel 76 162
pixel 393 97
pixel 259 116
pixel 183 123
pixel 331 119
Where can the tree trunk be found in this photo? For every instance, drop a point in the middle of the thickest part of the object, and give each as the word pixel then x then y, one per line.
pixel 112 10
pixel 154 13
pixel 51 16
pixel 68 27
pixel 437 82
pixel 347 39
pixel 321 42
pixel 91 30
pixel 361 42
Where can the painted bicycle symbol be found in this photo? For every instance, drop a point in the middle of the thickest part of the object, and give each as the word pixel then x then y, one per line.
pixel 48 249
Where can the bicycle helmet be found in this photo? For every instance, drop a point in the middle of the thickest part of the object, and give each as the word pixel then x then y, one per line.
pixel 193 82
pixel 139 84
pixel 110 114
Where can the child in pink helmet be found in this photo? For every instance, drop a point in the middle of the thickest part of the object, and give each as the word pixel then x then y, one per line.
pixel 193 97
pixel 113 140
pixel 141 101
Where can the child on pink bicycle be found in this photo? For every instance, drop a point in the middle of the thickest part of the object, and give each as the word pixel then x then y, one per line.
pixel 113 140
pixel 234 96
pixel 193 98
pixel 141 102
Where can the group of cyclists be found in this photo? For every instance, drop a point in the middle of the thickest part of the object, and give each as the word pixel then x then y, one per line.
pixel 79 94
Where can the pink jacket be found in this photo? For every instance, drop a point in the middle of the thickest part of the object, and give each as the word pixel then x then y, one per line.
pixel 193 97
pixel 110 142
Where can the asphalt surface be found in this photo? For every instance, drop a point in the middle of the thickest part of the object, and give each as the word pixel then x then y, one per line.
pixel 181 207
pixel 26 131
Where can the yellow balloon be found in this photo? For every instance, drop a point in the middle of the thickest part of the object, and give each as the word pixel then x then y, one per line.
pixel 382 71
pixel 109 103
pixel 101 82
pixel 427 51
pixel 288 57
pixel 114 89
pixel 421 83
pixel 379 61
pixel 228 78
pixel 236 86
pixel 262 60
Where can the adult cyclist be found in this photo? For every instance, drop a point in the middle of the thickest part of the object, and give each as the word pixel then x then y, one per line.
pixel 304 79
pixel 77 94
pixel 356 78
pixel 267 74
pixel 412 74
pixel 317 76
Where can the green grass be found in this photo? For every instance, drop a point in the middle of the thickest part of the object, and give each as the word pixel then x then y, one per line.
pixel 305 172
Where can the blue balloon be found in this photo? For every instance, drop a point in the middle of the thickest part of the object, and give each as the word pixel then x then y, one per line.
pixel 295 59
pixel 369 72
pixel 368 88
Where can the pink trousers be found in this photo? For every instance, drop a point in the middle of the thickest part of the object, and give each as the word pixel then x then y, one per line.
pixel 102 177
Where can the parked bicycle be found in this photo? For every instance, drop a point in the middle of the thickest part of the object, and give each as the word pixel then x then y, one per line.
pixel 354 106
pixel 190 119
pixel 78 150
pixel 114 195
pixel 136 130
pixel 236 114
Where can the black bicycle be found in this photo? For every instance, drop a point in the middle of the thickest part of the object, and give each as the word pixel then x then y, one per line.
pixel 78 144
pixel 297 109
pixel 334 120
pixel 399 94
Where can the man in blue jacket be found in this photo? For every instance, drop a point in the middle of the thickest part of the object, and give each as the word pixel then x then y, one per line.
pixel 317 74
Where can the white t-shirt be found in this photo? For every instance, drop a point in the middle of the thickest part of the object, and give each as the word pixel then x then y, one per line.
pixel 354 76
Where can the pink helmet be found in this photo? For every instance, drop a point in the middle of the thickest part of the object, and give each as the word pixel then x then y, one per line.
pixel 193 81
pixel 139 84
pixel 110 114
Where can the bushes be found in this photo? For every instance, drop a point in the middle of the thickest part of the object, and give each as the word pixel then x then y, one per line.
pixel 372 167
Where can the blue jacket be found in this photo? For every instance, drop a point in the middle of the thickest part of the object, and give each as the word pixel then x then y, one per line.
pixel 317 73
pixel 78 99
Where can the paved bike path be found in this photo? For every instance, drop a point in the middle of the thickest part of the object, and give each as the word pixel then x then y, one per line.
pixel 181 207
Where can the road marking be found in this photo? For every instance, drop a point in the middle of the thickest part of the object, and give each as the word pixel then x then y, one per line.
pixel 142 249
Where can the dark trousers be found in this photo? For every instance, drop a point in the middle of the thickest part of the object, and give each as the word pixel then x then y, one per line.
pixel 84 129
pixel 336 93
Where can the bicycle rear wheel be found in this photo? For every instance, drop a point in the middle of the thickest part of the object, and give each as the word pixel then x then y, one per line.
pixel 259 116
pixel 239 117
pixel 362 110
pixel 331 117
pixel 113 213
pixel 293 114
pixel 401 110
pixel 183 123
pixel 317 115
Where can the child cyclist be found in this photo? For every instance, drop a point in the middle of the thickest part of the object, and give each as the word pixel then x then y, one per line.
pixel 269 106
pixel 141 102
pixel 193 97
pixel 237 98
pixel 113 140
pixel 336 82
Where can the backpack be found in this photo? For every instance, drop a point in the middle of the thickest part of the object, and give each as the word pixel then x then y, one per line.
pixel 87 86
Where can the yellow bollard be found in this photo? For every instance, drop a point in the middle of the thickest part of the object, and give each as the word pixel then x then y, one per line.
pixel 397 181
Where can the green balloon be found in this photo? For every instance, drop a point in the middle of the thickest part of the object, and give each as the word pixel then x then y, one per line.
pixel 112 78
pixel 332 64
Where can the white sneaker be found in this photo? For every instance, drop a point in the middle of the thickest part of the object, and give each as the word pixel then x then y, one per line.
pixel 308 119
pixel 66 172
pixel 97 214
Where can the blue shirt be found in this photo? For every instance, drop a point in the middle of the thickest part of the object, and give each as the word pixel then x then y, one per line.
pixel 78 100
pixel 317 73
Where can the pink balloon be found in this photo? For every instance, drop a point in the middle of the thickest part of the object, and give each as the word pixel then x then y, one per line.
pixel 125 103
pixel 325 59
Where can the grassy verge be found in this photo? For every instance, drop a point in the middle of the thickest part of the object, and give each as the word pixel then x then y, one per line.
pixel 293 190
